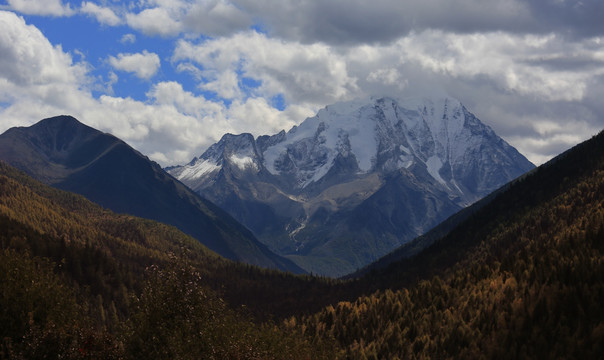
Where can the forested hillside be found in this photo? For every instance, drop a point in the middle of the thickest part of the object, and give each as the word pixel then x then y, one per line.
pixel 81 282
pixel 523 278
pixel 520 278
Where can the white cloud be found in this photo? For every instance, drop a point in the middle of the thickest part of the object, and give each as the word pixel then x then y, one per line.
pixel 303 73
pixel 171 17
pixel 103 15
pixel 144 65
pixel 389 76
pixel 21 50
pixel 30 66
pixel 176 125
pixel 216 18
pixel 155 21
pixel 225 84
pixel 38 80
pixel 318 74
pixel 172 94
pixel 41 7
pixel 503 58
pixel 255 115
pixel 128 39
pixel 214 119
pixel 160 128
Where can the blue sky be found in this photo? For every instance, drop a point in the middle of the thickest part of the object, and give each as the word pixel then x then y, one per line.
pixel 171 76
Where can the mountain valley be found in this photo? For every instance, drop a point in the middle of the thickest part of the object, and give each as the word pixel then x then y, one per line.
pixel 520 277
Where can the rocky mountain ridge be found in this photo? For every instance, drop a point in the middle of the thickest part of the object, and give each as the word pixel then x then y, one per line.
pixel 357 180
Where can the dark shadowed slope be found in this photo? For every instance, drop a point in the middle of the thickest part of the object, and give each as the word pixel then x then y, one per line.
pixel 69 155
pixel 78 281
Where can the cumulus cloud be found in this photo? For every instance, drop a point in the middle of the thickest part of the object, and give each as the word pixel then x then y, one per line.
pixel 175 125
pixel 302 73
pixel 155 21
pixel 216 18
pixel 514 62
pixel 255 115
pixel 207 17
pixel 215 119
pixel 346 22
pixel 144 65
pixel 41 7
pixel 103 15
pixel 353 22
pixel 225 84
pixel 38 80
pixel 128 39
pixel 31 67
pixel 320 74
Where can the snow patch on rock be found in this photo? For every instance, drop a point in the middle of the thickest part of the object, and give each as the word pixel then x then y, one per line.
pixel 434 165
pixel 196 170
pixel 243 162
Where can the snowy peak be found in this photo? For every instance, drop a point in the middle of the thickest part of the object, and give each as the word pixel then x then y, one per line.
pixel 232 151
pixel 196 169
pixel 309 151
pixel 235 150
pixel 357 138
pixel 383 134
pixel 365 175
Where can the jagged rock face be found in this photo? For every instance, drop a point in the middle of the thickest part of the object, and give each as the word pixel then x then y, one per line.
pixel 358 179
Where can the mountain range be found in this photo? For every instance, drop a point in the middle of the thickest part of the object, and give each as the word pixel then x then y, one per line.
pixel 329 196
pixel 64 153
pixel 520 275
pixel 357 180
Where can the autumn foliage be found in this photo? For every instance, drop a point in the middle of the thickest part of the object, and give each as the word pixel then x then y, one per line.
pixel 521 278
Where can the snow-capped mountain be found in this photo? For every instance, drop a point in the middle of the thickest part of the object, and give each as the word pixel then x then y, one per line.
pixel 238 151
pixel 357 179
